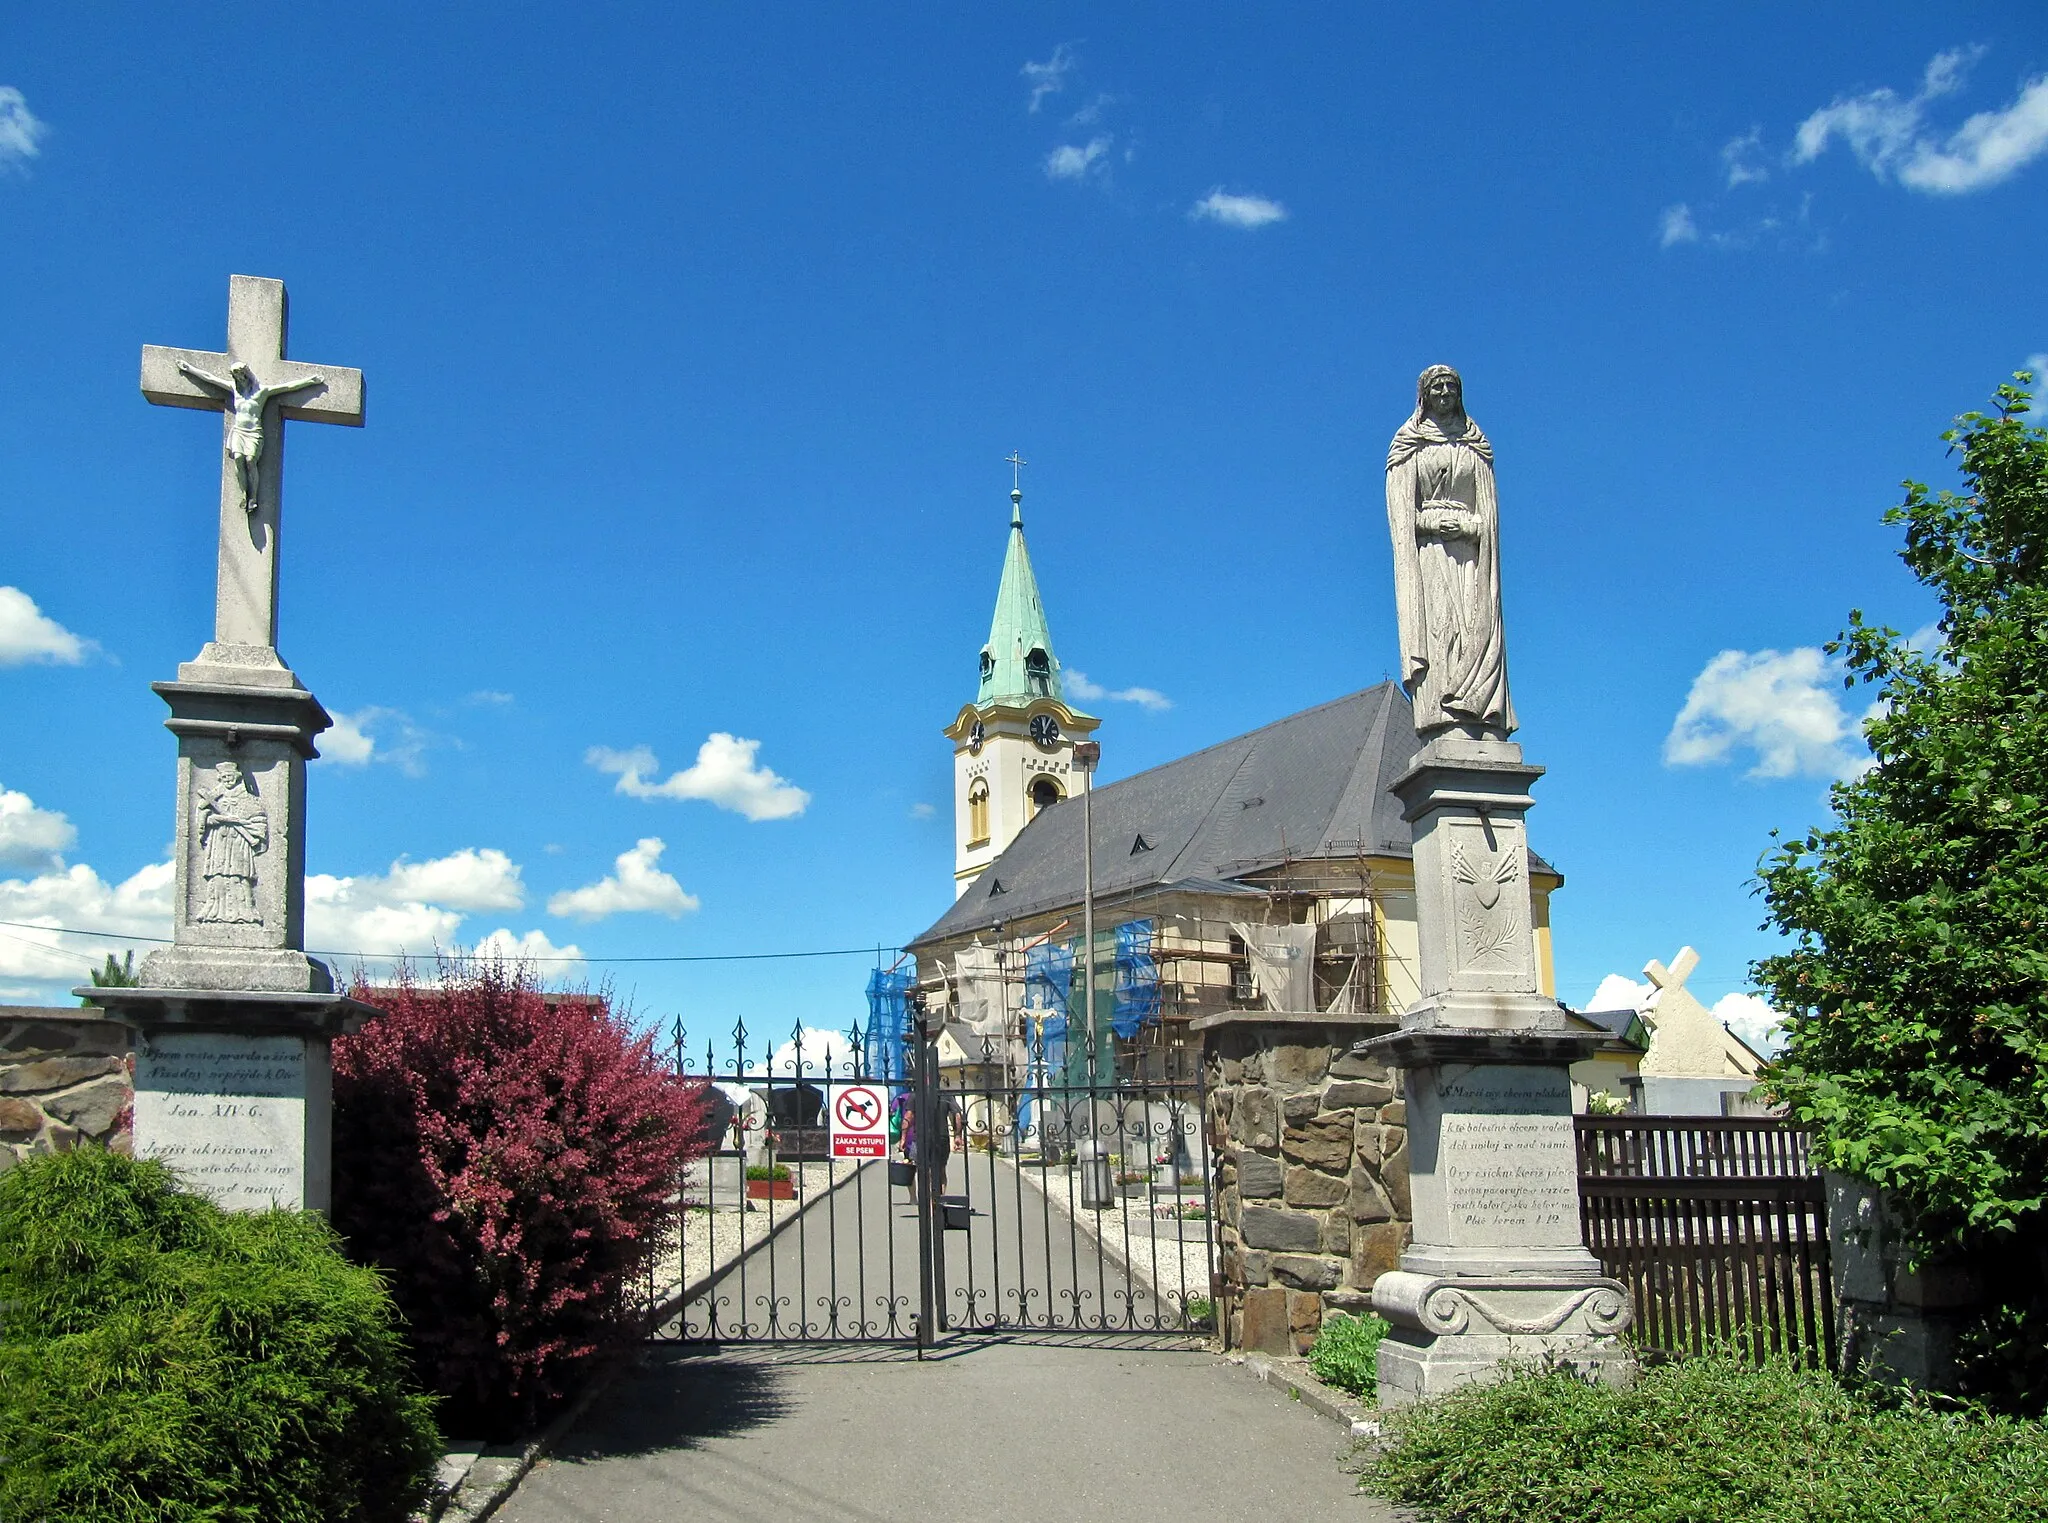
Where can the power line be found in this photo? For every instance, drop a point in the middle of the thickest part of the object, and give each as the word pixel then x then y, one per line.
pixel 867 951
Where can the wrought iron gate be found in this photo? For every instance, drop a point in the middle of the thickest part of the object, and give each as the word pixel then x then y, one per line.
pixel 1068 1197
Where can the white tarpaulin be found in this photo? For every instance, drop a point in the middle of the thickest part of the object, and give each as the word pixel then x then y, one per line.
pixel 1283 959
pixel 980 987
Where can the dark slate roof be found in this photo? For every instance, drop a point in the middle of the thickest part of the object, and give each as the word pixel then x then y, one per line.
pixel 1311 785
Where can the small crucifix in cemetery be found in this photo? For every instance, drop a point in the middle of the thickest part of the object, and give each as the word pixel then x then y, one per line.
pixel 259 390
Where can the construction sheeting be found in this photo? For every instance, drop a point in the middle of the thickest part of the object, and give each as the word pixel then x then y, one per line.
pixel 1283 959
pixel 979 990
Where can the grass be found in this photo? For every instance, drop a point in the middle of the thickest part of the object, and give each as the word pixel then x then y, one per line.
pixel 1711 1439
pixel 1346 1353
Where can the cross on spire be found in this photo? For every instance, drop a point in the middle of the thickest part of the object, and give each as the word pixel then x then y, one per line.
pixel 1016 463
pixel 258 390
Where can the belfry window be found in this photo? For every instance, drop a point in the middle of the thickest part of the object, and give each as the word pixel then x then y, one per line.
pixel 977 812
pixel 1038 671
pixel 988 666
pixel 1044 794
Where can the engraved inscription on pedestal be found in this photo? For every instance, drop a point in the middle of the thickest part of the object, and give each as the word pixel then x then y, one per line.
pixel 229 1113
pixel 1505 1160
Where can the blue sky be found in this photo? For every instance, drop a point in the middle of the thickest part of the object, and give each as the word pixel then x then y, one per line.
pixel 694 345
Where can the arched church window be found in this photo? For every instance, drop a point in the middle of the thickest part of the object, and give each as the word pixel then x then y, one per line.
pixel 1038 671
pixel 988 666
pixel 977 811
pixel 1044 794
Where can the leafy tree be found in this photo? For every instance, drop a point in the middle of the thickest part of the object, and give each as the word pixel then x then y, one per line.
pixel 1916 984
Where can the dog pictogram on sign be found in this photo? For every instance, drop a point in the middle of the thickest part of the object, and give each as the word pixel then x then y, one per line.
pixel 860 1121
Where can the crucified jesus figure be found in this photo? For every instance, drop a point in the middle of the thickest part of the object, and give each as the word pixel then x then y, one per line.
pixel 245 402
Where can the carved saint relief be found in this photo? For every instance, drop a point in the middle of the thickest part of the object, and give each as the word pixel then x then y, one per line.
pixel 233 829
pixel 1487 928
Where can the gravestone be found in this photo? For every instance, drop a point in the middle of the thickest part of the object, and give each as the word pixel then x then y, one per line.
pixel 233 1019
pixel 1497 1269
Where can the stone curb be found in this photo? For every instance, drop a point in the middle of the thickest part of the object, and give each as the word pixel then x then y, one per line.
pixel 1292 1375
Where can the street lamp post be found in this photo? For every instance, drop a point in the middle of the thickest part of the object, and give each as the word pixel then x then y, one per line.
pixel 1086 754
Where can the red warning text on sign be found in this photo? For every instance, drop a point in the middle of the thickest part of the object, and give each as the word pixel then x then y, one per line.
pixel 860 1121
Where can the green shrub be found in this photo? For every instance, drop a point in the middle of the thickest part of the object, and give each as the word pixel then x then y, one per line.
pixel 164 1361
pixel 1346 1352
pixel 774 1171
pixel 1713 1439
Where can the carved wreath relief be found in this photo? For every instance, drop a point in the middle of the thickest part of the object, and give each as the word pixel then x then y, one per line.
pixel 233 830
pixel 1487 929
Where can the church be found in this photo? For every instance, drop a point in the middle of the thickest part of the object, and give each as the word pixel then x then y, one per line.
pixel 1270 874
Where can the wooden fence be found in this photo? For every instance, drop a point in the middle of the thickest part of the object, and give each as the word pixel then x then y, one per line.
pixel 1717 1226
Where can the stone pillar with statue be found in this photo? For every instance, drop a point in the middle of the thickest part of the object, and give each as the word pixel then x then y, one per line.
pixel 233 1020
pixel 1496 1269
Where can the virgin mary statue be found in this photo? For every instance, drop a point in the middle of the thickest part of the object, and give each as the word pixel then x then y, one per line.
pixel 1446 525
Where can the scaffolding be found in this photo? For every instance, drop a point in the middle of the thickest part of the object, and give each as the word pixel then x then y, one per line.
pixel 887 1016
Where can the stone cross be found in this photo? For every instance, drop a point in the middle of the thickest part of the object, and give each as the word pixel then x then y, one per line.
pixel 258 390
pixel 1673 977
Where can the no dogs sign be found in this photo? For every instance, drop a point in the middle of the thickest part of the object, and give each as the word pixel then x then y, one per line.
pixel 860 1121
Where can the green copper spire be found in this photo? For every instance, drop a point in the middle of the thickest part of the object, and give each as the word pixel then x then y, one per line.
pixel 1017 664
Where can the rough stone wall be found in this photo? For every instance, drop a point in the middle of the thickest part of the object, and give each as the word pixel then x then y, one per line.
pixel 63 1076
pixel 1312 1189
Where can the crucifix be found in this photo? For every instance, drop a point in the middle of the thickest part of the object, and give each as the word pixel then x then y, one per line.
pixel 1016 462
pixel 258 390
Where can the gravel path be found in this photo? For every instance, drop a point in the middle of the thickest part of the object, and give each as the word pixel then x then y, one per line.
pixel 1168 1253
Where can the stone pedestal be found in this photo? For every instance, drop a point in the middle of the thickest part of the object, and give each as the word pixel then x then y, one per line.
pixel 233 1090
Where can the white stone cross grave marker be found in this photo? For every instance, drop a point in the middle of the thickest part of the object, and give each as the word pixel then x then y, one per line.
pixel 259 390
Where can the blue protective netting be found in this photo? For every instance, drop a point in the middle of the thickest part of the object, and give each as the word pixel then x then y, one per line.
pixel 1137 980
pixel 886 1018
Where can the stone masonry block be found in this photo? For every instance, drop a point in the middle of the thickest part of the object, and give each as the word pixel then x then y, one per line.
pixel 1323 1142
pixel 1299 1271
pixel 93 1108
pixel 1394 1173
pixel 1306 1187
pixel 1351 1065
pixel 1288 1231
pixel 1291 1067
pixel 1266 1329
pixel 1298 1108
pixel 1256 1266
pixel 54 1073
pixel 1258 1177
pixel 1376 1250
pixel 1395 1114
pixel 1304 1317
pixel 1256 1120
pixel 19 1117
pixel 1364 1201
pixel 1365 1140
pixel 1349 1093
pixel 1233 1070
pixel 1337 1234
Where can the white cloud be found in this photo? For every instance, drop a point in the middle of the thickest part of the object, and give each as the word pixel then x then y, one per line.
pixel 1890 135
pixel 375 735
pixel 1077 163
pixel 413 909
pixel 32 837
pixel 490 697
pixel 1076 682
pixel 1237 211
pixel 28 635
pixel 1618 991
pixel 21 135
pixel 1750 1018
pixel 139 906
pixel 1739 158
pixel 1091 113
pixel 2037 413
pixel 725 773
pixel 815 1054
pixel 1050 77
pixel 1784 706
pixel 637 885
pixel 924 811
pixel 534 946
pixel 1676 226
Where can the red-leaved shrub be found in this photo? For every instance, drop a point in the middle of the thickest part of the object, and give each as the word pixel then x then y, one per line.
pixel 512 1161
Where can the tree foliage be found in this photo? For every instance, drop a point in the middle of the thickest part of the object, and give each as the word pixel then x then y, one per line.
pixel 1916 983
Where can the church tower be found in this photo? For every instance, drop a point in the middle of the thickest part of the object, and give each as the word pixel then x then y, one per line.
pixel 1013 747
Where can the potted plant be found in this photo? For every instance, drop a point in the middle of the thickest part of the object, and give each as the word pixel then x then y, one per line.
pixel 770 1181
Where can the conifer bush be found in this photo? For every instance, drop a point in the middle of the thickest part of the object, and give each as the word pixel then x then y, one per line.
pixel 165 1361
pixel 513 1163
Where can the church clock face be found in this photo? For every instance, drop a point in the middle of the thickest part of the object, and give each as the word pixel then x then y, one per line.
pixel 1045 730
pixel 975 737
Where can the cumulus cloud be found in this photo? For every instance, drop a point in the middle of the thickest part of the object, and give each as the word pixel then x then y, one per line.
pixel 1891 137
pixel 21 135
pixel 814 1053
pixel 1749 1017
pixel 27 635
pixel 1785 706
pixel 31 837
pixel 725 773
pixel 637 885
pixel 375 735
pixel 1741 159
pixel 1230 210
pixel 1617 991
pixel 1076 683
pixel 39 961
pixel 1050 77
pixel 414 908
pixel 2037 366
pixel 1077 162
pixel 1676 226
pixel 534 946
